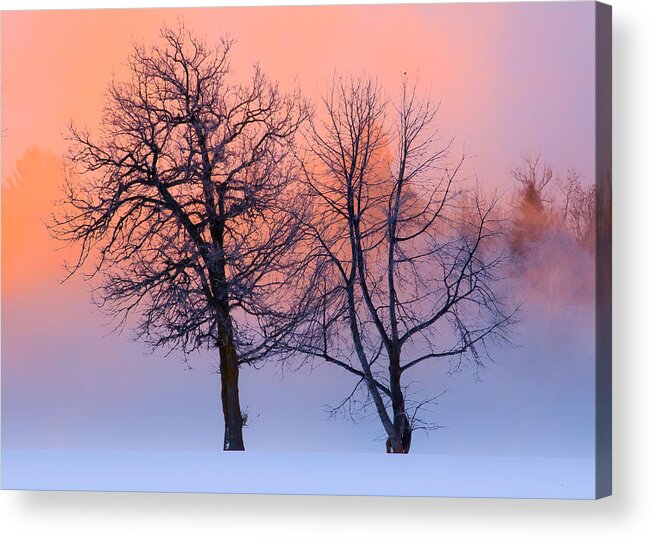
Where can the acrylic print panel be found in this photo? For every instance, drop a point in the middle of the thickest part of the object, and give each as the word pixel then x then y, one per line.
pixel 319 249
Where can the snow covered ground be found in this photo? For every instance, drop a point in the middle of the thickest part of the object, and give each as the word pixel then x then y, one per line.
pixel 299 473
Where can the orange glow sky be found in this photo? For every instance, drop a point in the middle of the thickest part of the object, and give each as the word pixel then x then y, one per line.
pixel 510 78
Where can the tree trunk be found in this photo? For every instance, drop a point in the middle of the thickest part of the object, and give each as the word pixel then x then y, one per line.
pixel 230 372
pixel 402 442
pixel 228 364
pixel 233 423
pixel 403 445
pixel 366 368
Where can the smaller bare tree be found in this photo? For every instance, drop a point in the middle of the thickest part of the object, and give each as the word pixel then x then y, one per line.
pixel 400 278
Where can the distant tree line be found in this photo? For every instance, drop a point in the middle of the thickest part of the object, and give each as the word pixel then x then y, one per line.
pixel 547 200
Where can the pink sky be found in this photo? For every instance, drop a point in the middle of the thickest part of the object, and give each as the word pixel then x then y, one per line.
pixel 510 77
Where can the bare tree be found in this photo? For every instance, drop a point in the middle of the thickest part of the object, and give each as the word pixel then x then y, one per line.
pixel 400 277
pixel 180 203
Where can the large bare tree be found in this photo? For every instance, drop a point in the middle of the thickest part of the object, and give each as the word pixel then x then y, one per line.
pixel 405 270
pixel 179 203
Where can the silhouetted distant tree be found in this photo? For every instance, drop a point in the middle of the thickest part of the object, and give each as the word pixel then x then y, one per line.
pixel 180 200
pixel 531 217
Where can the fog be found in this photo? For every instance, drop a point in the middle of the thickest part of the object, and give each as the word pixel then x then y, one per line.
pixel 69 382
